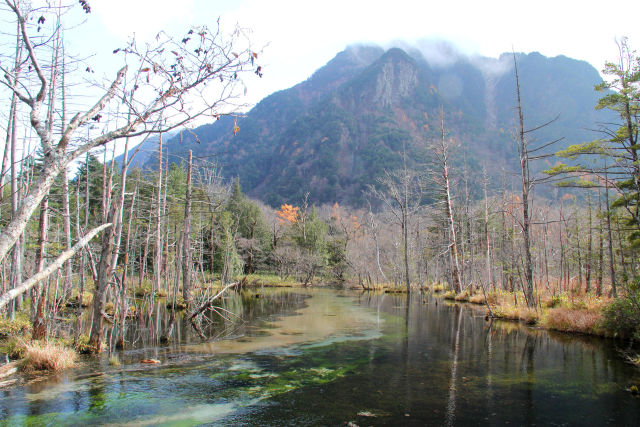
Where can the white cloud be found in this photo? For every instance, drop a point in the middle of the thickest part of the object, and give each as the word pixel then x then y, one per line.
pixel 302 36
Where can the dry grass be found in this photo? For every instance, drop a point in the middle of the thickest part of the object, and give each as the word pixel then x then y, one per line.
pixel 476 299
pixel 520 313
pixel 449 295
pixel 462 296
pixel 438 287
pixel 47 357
pixel 564 319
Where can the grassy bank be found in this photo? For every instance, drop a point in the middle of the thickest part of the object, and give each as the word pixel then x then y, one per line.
pixel 563 312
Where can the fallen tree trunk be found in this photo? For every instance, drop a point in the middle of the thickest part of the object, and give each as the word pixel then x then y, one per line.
pixel 56 264
pixel 209 303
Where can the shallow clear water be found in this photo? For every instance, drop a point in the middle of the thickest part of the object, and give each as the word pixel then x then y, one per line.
pixel 326 357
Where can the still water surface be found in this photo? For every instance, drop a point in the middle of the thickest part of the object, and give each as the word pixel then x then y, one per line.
pixel 326 357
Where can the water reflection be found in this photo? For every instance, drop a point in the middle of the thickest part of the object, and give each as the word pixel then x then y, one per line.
pixel 308 357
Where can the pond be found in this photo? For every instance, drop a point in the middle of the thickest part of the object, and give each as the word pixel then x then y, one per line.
pixel 327 357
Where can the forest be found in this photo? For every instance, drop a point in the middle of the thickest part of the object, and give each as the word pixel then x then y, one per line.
pixel 89 244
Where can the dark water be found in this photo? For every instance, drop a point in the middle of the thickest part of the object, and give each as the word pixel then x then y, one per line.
pixel 324 357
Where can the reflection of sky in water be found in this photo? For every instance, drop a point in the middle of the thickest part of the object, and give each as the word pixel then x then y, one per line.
pixel 327 360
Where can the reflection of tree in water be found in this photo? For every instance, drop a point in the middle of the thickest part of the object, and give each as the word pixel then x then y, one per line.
pixel 527 365
pixel 451 403
pixel 157 330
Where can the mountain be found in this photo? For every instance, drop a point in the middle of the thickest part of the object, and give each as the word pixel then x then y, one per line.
pixel 337 132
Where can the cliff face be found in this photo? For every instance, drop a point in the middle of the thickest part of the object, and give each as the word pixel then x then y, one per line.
pixel 337 132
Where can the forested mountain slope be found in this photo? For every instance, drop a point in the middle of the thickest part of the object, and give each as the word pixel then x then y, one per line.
pixel 336 133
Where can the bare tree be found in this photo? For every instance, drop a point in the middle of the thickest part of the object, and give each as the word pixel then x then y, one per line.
pixel 399 192
pixel 169 78
pixel 442 179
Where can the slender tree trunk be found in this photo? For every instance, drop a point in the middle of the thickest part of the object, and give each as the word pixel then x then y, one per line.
pixel 623 261
pixel 125 264
pixel 109 254
pixel 589 260
pixel 186 263
pixel 577 232
pixel 39 323
pixel 526 187
pixel 453 244
pixel 157 257
pixel 16 263
pixel 486 230
pixel 612 270
pixel 66 224
pixel 600 249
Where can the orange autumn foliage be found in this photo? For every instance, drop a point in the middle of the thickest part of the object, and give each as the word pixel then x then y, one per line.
pixel 287 213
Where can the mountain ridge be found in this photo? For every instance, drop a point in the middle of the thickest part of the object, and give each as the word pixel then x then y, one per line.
pixel 337 132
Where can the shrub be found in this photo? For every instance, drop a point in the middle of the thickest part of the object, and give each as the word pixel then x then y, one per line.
pixel 622 316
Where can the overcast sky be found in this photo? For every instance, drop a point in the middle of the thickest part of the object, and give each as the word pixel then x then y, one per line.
pixel 300 36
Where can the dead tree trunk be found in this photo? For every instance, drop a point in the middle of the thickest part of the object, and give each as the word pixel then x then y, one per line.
pixel 157 256
pixel 186 263
pixel 486 229
pixel 526 188
pixel 39 322
pixel 56 264
pixel 66 224
pixel 589 259
pixel 600 249
pixel 453 244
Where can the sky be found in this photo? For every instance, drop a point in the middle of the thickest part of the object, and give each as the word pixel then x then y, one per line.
pixel 297 37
